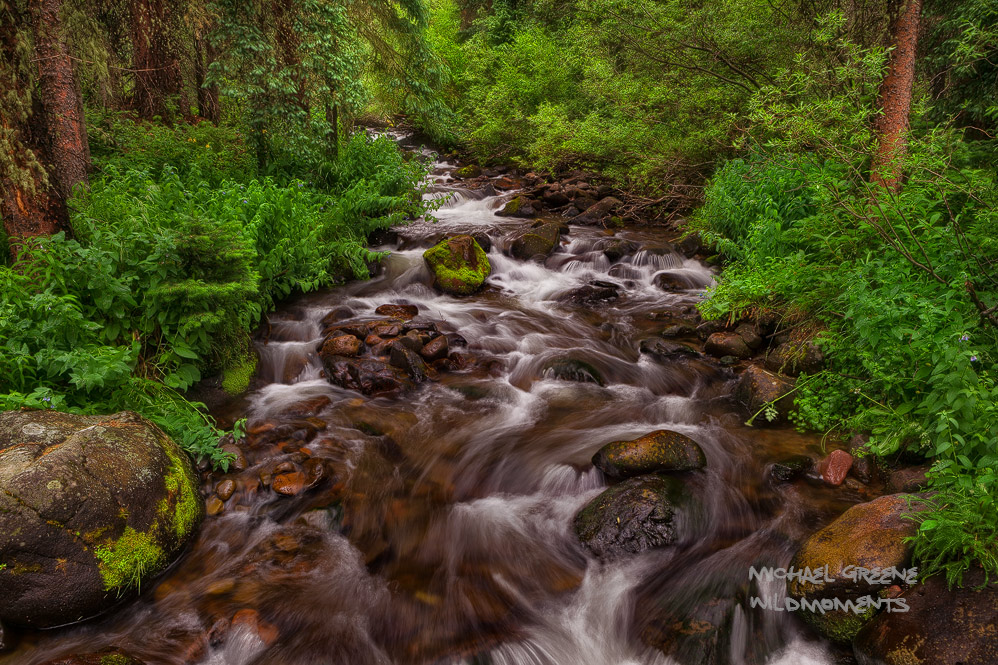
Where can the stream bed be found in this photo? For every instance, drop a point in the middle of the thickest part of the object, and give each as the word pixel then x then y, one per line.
pixel 435 526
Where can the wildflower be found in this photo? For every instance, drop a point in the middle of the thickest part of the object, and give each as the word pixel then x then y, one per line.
pixel 973 359
pixel 46 399
pixel 245 201
pixel 965 337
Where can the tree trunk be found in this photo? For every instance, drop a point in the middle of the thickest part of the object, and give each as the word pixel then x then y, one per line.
pixel 895 98
pixel 288 49
pixel 333 118
pixel 204 55
pixel 63 107
pixel 157 68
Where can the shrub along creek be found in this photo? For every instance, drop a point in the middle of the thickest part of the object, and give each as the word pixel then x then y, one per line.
pixel 517 443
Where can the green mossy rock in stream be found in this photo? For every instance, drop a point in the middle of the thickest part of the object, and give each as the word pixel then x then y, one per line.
pixel 536 241
pixel 941 626
pixel 661 450
pixel 868 535
pixel 91 508
pixel 459 265
pixel 639 514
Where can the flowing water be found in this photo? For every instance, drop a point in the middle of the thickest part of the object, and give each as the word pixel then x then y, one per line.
pixel 437 526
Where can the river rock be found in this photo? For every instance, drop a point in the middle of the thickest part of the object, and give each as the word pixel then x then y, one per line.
pixel 596 213
pixel 535 241
pixel 593 293
pixel 638 514
pixel 941 626
pixel 107 657
pixel 341 345
pixel 435 349
pixel 834 468
pixel 408 360
pixel 91 508
pixel 722 344
pixel 757 387
pixel 404 312
pixel 909 479
pixel 868 535
pixel 750 335
pixel 519 206
pixel 661 450
pixel 572 369
pixel 371 376
pixel 459 265
pixel 675 280
pixel 469 171
pixel 666 350
pixel 617 248
pixel 790 468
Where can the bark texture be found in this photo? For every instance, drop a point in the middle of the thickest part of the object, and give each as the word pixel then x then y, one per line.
pixel 895 97
pixel 155 61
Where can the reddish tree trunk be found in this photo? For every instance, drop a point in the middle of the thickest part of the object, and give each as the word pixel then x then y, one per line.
pixel 157 68
pixel 67 129
pixel 895 98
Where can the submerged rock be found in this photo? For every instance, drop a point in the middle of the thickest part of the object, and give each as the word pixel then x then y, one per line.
pixel 459 265
pixel 661 450
pixel 91 508
pixel 571 369
pixel 868 535
pixel 637 515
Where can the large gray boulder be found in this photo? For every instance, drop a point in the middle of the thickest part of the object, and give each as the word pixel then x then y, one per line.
pixel 91 507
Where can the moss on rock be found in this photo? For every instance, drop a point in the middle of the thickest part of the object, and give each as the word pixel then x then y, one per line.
pixel 125 562
pixel 459 265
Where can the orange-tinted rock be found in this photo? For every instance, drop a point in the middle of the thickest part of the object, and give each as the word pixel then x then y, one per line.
pixel 289 484
pixel 343 345
pixel 435 349
pixel 661 450
pixel 267 632
pixel 214 505
pixel 225 488
pixel 722 344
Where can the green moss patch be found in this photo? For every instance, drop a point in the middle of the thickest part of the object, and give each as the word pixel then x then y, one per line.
pixel 124 562
pixel 236 379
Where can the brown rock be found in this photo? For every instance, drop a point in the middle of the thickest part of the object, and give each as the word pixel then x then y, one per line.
pixel 343 345
pixel 435 349
pixel 214 505
pixel 757 387
pixel 910 479
pixel 835 467
pixel 404 312
pixel 225 488
pixel 722 344
pixel 661 450
pixel 289 484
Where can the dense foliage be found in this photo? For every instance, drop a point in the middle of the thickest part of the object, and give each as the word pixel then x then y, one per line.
pixel 175 255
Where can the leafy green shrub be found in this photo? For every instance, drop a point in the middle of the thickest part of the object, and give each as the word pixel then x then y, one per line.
pixel 168 273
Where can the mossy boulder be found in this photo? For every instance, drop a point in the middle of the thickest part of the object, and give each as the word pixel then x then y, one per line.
pixel 459 265
pixel 661 450
pixel 756 388
pixel 868 535
pixel 91 507
pixel 518 206
pixel 940 626
pixel 639 514
pixel 536 241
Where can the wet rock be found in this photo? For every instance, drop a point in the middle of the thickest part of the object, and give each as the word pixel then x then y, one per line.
pixel 384 330
pixel 941 626
pixel 484 241
pixel 727 344
pixel 371 376
pixel 675 280
pixel 213 506
pixel 750 335
pixel 554 196
pixel 456 340
pixel 708 328
pixel 661 450
pixel 459 265
pixel 507 183
pixel 225 488
pixel 636 515
pixel 910 479
pixel 756 388
pixel 338 314
pixel 572 369
pixel 596 213
pixel 665 350
pixel 343 345
pixel 381 422
pixel 593 293
pixel 795 359
pixel 617 248
pixel 90 508
pixel 790 468
pixel 535 241
pixel 690 245
pixel 288 484
pixel 624 271
pixel 466 172
pixel 519 206
pixel 679 330
pixel 409 361
pixel 834 468
pixel 435 349
pixel 868 535
pixel 238 462
pixel 405 312
pixel 308 407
